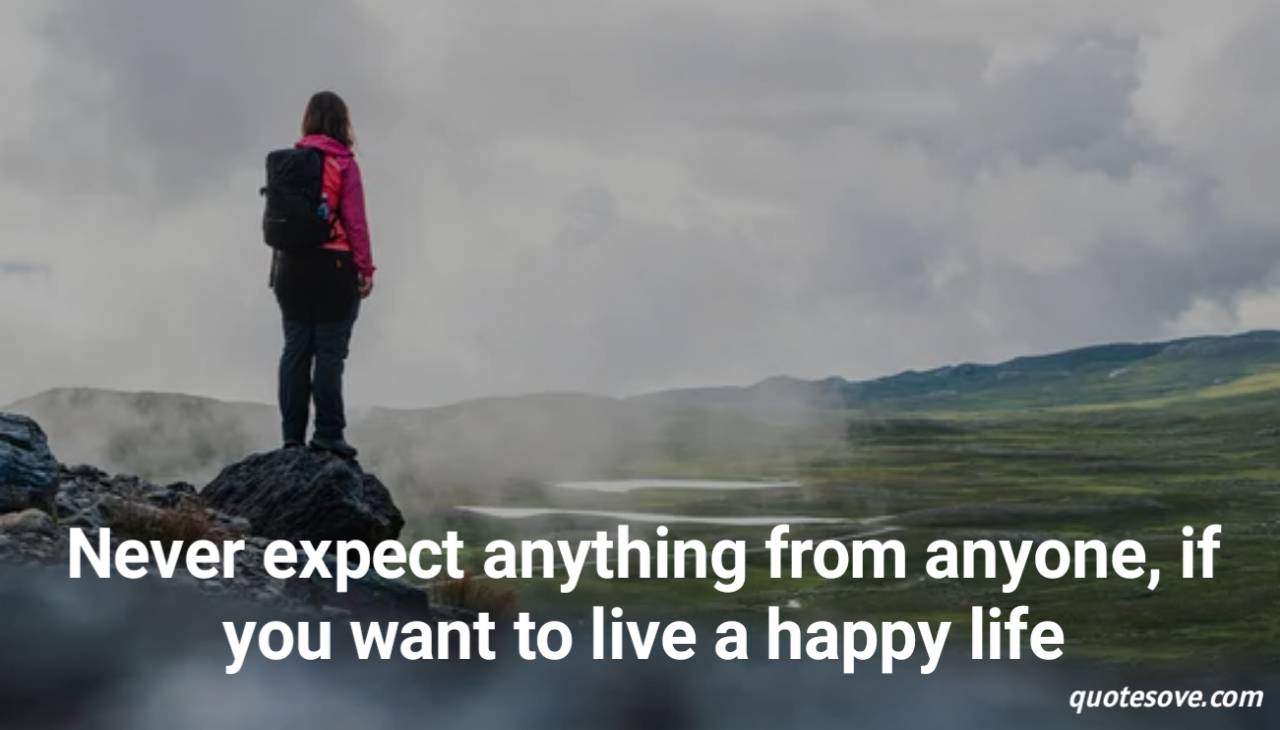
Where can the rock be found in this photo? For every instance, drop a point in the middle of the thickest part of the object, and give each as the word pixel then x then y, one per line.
pixel 116 510
pixel 89 497
pixel 223 526
pixel 28 471
pixel 292 494
pixel 299 494
pixel 28 521
pixel 372 593
pixel 30 536
pixel 170 495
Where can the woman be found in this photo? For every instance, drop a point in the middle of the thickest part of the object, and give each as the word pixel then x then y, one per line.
pixel 320 291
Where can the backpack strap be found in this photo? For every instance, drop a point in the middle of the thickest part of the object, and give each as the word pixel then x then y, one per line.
pixel 331 188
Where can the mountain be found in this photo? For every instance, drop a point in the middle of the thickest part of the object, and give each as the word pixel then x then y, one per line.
pixel 489 441
pixel 1082 376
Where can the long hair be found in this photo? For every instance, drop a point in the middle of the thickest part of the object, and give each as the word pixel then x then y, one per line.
pixel 327 114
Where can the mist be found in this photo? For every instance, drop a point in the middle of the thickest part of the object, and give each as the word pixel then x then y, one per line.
pixel 435 458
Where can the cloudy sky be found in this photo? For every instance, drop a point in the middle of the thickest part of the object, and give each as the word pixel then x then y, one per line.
pixel 622 197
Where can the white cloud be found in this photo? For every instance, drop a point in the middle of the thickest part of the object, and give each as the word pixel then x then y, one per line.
pixel 1051 217
pixel 1207 93
pixel 1250 309
pixel 644 195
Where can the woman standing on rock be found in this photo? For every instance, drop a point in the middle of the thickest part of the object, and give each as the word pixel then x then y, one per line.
pixel 319 290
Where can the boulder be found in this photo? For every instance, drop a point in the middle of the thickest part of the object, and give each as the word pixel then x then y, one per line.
pixel 28 521
pixel 300 494
pixel 293 494
pixel 28 471
pixel 30 536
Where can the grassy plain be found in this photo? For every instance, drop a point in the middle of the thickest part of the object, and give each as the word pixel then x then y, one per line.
pixel 1138 469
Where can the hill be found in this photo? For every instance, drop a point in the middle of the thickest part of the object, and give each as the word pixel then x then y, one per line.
pixel 489 441
pixel 1099 374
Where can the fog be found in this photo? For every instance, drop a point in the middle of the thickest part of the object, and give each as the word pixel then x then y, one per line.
pixel 436 457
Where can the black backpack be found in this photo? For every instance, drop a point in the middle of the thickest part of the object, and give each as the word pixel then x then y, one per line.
pixel 297 218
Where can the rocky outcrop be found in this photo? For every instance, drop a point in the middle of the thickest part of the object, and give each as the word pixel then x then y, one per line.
pixel 89 497
pixel 28 471
pixel 294 494
pixel 300 494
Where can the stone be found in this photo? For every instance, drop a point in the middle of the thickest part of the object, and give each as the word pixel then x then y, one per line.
pixel 28 471
pixel 299 494
pixel 294 494
pixel 28 521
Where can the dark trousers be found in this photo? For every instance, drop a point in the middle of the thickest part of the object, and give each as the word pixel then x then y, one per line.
pixel 318 305
pixel 311 368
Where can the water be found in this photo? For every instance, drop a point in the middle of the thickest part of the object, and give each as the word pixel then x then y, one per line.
pixel 516 513
pixel 627 485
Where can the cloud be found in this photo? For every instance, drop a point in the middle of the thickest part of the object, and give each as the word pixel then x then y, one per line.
pixel 22 268
pixel 565 197
pixel 1248 309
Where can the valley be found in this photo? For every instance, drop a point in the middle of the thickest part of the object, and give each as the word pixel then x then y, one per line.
pixel 1113 442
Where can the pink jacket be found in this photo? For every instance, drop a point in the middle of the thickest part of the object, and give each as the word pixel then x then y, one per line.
pixel 350 200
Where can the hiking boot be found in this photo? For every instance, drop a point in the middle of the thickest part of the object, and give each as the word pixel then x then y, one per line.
pixel 337 447
pixel 292 444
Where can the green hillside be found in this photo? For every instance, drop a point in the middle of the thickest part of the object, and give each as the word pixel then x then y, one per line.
pixel 1102 374
pixel 487 442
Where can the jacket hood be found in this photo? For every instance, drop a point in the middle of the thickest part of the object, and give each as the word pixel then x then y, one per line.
pixel 325 144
